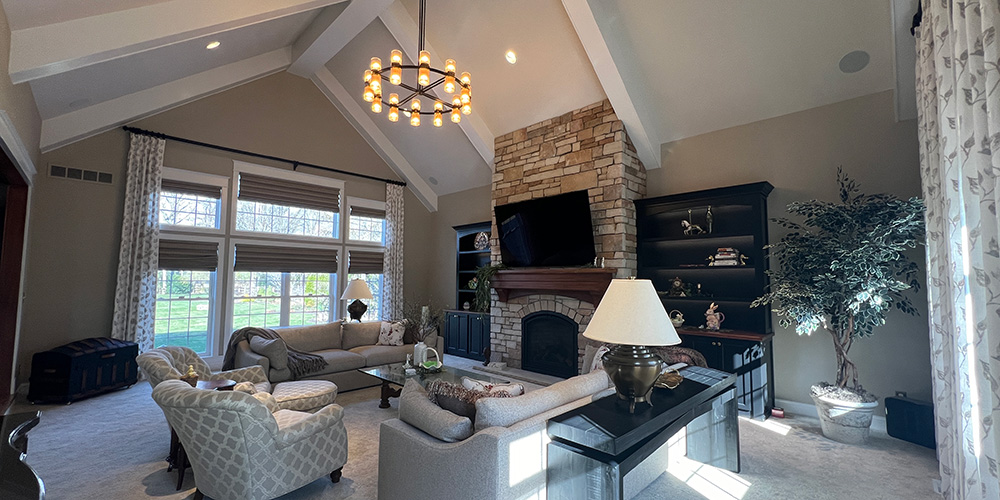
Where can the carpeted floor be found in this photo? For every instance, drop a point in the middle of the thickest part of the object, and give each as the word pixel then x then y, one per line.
pixel 112 447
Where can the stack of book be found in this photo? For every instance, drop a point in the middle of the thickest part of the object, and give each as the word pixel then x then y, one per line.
pixel 726 257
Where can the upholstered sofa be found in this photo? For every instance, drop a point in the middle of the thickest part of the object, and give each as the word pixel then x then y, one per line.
pixel 504 458
pixel 346 347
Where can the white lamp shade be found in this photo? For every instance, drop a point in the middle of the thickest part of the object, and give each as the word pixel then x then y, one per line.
pixel 631 313
pixel 357 289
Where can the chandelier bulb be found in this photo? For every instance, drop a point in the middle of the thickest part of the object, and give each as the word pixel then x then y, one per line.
pixel 368 75
pixel 466 78
pixel 396 57
pixel 415 118
pixel 415 105
pixel 376 83
pixel 438 106
pixel 466 109
pixel 449 84
pixel 377 104
pixel 376 64
pixel 423 76
pixel 437 119
pixel 369 94
pixel 449 66
pixel 425 57
pixel 393 113
pixel 395 75
pixel 456 115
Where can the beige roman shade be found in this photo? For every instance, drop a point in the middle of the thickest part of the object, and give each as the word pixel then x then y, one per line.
pixel 175 186
pixel 185 255
pixel 288 193
pixel 285 259
pixel 361 262
pixel 374 213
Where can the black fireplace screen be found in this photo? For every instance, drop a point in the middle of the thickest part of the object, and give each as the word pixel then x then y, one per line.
pixel 549 344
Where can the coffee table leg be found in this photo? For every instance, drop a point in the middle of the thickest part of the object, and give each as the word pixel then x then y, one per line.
pixel 388 392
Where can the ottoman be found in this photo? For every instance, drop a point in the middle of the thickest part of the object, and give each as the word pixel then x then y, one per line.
pixel 304 395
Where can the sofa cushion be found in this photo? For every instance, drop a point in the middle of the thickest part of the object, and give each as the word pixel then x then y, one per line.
pixel 339 360
pixel 458 399
pixel 383 354
pixel 273 349
pixel 505 412
pixel 357 334
pixel 313 337
pixel 513 389
pixel 418 411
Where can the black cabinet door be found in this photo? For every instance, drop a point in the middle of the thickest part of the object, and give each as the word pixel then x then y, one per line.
pixel 453 333
pixel 476 345
pixel 710 348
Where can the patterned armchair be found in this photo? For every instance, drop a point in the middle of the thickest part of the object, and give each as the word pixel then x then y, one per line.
pixel 170 362
pixel 239 449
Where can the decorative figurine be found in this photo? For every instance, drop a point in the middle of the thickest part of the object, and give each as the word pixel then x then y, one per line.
pixel 409 362
pixel 676 318
pixel 191 376
pixel 709 219
pixel 713 319
pixel 690 228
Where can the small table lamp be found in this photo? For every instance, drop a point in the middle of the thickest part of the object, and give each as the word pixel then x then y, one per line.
pixel 632 316
pixel 357 290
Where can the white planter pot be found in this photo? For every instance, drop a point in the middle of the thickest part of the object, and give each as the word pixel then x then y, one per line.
pixel 845 421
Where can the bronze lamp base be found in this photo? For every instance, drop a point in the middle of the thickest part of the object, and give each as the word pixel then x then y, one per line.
pixel 357 309
pixel 633 369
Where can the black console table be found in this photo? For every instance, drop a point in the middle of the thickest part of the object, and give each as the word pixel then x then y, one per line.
pixel 17 480
pixel 596 446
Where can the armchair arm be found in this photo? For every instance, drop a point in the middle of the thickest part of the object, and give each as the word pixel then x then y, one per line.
pixel 326 417
pixel 253 374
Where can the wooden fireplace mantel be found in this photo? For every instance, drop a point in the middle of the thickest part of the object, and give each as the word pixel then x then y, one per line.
pixel 586 284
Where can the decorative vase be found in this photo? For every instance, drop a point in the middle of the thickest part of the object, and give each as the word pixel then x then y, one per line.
pixel 845 421
pixel 419 353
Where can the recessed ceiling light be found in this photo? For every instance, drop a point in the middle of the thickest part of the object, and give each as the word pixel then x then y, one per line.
pixel 511 57
pixel 854 61
pixel 213 45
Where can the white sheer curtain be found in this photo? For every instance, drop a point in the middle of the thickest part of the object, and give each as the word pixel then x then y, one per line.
pixel 958 75
pixel 135 293
pixel 392 264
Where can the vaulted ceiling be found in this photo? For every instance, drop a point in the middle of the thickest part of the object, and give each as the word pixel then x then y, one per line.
pixel 671 68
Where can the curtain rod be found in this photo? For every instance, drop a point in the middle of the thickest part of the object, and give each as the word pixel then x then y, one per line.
pixel 295 164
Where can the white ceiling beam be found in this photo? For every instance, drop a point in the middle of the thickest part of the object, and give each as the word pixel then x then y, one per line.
pixel 363 123
pixel 76 125
pixel 56 48
pixel 404 30
pixel 640 123
pixel 330 32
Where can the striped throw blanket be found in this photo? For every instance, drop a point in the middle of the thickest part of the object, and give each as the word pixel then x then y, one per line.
pixel 299 362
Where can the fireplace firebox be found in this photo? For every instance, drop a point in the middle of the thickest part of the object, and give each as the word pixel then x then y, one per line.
pixel 549 344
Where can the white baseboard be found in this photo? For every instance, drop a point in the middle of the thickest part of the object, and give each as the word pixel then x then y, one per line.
pixel 809 411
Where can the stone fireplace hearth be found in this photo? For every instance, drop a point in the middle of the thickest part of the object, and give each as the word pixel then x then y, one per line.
pixel 586 149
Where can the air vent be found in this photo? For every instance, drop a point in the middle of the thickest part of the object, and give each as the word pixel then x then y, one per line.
pixel 80 174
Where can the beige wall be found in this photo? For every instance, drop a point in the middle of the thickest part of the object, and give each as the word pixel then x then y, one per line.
pixel 799 154
pixel 17 100
pixel 75 233
pixel 456 209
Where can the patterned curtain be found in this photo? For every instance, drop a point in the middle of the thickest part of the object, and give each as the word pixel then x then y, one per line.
pixel 392 263
pixel 135 294
pixel 958 96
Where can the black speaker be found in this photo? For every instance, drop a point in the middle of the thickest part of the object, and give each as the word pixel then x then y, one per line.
pixel 910 420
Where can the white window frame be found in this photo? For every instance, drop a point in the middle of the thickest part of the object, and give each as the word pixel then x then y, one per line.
pixel 212 346
pixel 205 179
pixel 347 275
pixel 335 288
pixel 366 203
pixel 240 166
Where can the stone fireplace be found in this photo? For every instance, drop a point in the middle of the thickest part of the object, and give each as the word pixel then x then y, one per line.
pixel 585 149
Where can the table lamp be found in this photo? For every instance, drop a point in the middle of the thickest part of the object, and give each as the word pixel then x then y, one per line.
pixel 632 317
pixel 357 290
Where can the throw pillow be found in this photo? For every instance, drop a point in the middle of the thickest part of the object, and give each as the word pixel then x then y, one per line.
pixel 478 385
pixel 246 387
pixel 274 350
pixel 458 399
pixel 391 333
pixel 598 363
pixel 417 410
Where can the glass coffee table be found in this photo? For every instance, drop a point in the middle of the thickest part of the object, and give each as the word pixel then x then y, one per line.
pixel 394 374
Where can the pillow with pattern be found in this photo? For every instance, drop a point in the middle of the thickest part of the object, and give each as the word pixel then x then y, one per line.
pixel 598 363
pixel 458 399
pixel 478 385
pixel 391 333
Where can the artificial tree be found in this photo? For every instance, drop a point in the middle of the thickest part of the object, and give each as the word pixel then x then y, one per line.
pixel 844 267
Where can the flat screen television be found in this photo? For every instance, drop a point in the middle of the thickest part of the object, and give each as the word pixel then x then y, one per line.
pixel 554 231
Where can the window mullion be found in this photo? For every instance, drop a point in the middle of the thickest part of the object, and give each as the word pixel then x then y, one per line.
pixel 286 302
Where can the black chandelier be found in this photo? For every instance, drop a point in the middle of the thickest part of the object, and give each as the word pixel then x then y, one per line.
pixel 461 102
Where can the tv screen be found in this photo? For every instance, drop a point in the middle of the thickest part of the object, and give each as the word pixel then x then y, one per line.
pixel 554 231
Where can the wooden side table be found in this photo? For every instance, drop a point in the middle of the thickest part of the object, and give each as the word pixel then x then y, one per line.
pixel 177 459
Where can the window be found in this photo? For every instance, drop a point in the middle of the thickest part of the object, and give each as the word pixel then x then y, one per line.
pixel 185 294
pixel 283 286
pixel 366 224
pixel 276 205
pixel 190 200
pixel 367 265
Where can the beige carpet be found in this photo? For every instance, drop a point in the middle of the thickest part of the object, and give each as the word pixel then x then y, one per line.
pixel 112 447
